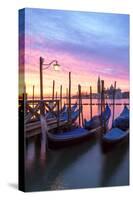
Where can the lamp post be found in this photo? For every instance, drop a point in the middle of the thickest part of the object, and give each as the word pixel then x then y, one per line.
pixel 56 67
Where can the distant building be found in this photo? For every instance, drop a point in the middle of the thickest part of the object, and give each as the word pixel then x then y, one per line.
pixel 125 95
pixel 98 85
pixel 110 91
pixel 118 94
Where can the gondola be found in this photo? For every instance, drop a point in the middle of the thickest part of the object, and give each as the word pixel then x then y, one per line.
pixel 64 109
pixel 74 107
pixel 75 135
pixel 119 131
pixel 73 114
pixel 122 121
pixel 63 112
pixel 98 120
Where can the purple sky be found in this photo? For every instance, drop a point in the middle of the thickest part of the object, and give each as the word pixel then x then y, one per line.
pixel 87 44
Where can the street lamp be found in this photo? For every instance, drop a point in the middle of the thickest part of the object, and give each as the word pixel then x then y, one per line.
pixel 56 67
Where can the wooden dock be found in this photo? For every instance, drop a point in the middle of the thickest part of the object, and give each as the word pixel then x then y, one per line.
pixel 34 128
pixel 32 114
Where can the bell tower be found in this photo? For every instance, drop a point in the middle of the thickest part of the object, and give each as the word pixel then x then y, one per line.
pixel 98 85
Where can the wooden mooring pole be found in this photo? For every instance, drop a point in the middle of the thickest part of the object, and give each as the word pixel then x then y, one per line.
pixel 67 96
pixel 114 91
pixel 53 90
pixel 41 78
pixel 103 122
pixel 80 106
pixel 33 95
pixel 42 105
pixel 44 130
pixel 61 97
pixel 56 95
pixel 79 93
pixel 25 96
pixel 90 102
pixel 102 97
pixel 58 117
pixel 25 93
pixel 69 99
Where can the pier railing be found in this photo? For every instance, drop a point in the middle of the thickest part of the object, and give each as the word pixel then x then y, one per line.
pixel 31 112
pixel 33 109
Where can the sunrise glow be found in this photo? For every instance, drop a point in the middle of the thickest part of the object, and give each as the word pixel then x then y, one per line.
pixel 87 44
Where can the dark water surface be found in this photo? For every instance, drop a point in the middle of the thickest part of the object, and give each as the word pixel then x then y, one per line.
pixel 82 165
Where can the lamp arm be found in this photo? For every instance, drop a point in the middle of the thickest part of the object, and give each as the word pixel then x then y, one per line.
pixel 49 64
pixel 46 67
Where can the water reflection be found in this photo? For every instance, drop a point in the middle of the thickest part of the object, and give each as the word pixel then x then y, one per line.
pixel 112 162
pixel 79 166
pixel 46 175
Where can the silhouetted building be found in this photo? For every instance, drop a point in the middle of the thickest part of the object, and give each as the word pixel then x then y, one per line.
pixel 125 95
pixel 110 91
pixel 98 85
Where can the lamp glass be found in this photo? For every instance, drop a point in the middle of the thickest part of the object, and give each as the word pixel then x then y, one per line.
pixel 56 67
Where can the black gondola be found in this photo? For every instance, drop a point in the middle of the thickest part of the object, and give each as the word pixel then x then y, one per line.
pixel 76 134
pixel 119 131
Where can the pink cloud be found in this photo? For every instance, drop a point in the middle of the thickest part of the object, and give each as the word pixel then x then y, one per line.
pixel 83 72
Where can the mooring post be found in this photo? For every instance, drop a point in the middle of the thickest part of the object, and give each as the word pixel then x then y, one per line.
pixel 41 78
pixel 79 94
pixel 56 95
pixel 69 99
pixel 33 97
pixel 114 91
pixel 90 102
pixel 102 97
pixel 67 96
pixel 53 90
pixel 25 100
pixel 102 106
pixel 42 106
pixel 61 97
pixel 44 130
pixel 81 106
pixel 58 107
pixel 24 105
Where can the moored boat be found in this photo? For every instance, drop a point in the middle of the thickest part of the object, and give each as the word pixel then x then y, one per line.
pixel 75 135
pixel 73 115
pixel 119 131
pixel 122 121
pixel 115 135
pixel 99 120
pixel 69 137
pixel 63 112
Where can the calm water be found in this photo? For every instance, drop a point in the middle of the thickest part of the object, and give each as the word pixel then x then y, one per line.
pixel 79 166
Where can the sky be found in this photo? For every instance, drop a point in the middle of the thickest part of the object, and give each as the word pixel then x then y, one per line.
pixel 87 44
